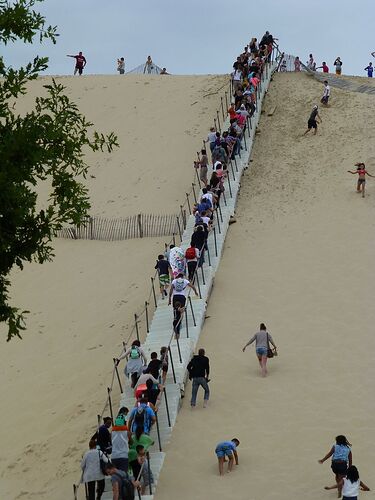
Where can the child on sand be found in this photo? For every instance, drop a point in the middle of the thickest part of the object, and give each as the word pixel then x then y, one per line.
pixel 341 456
pixel 312 121
pixel 362 172
pixel 350 485
pixel 227 449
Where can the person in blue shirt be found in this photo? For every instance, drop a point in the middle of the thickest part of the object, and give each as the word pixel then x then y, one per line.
pixel 370 70
pixel 227 449
pixel 141 416
pixel 341 454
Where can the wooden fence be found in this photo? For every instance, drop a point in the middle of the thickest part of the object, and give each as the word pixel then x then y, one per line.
pixel 116 229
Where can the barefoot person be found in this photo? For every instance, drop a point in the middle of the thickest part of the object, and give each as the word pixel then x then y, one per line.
pixel 262 341
pixel 313 120
pixel 350 485
pixel 227 449
pixel 326 93
pixel 341 456
pixel 362 172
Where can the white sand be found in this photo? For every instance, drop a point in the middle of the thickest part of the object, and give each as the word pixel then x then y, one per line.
pixel 300 258
pixel 82 305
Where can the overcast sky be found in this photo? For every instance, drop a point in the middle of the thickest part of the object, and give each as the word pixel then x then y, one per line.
pixel 200 36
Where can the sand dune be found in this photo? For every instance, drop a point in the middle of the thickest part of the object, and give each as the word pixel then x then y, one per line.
pixel 300 259
pixel 82 305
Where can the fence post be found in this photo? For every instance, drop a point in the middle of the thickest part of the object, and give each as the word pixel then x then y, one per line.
pixel 215 125
pixel 136 325
pixel 188 202
pixel 98 417
pixel 179 227
pixel 182 218
pixel 178 349
pixel 222 108
pixel 186 323
pixel 194 193
pixel 192 311
pixel 149 473
pixel 139 218
pixel 90 222
pixel 226 100
pixel 167 407
pixel 218 120
pixel 153 291
pixel 174 238
pixel 158 431
pixel 146 309
pixel 75 489
pixel 110 402
pixel 172 364
pixel 215 241
pixel 118 376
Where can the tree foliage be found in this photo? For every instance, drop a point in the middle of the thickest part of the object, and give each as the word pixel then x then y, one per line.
pixel 45 145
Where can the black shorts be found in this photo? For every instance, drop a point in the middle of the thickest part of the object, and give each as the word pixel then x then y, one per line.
pixel 312 124
pixel 339 467
pixel 80 69
pixel 361 181
pixel 324 100
pixel 179 298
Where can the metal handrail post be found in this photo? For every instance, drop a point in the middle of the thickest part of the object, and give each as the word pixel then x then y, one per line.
pixel 218 224
pixel 244 138
pixel 222 108
pixel 179 350
pixel 117 374
pixel 199 285
pixel 209 256
pixel 110 402
pixel 153 292
pixel 179 227
pixel 225 200
pixel 167 407
pixel 214 229
pixel 202 275
pixel 149 472
pixel 192 311
pixel 136 325
pixel 218 120
pixel 235 163
pixel 187 324
pixel 231 167
pixel 158 431
pixel 194 193
pixel 230 187
pixel 146 310
pixel 173 372
pixel 188 202
pixel 226 100
pixel 221 215
pixel 174 239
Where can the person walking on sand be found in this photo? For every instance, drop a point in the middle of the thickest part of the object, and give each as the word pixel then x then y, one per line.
pixel 313 120
pixel 80 63
pixel 262 341
pixel 341 456
pixel 199 371
pixel 227 449
pixel 350 485
pixel 326 93
pixel 370 70
pixel 338 65
pixel 362 172
pixel 148 65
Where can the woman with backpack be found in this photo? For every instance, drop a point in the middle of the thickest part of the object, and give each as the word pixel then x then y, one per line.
pixel 136 362
pixel 262 341
pixel 192 255
pixel 179 289
pixel 341 454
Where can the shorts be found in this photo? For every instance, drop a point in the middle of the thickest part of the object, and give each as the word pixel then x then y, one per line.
pixel 164 280
pixel 339 467
pixel 203 173
pixel 312 124
pixel 338 71
pixel 80 69
pixel 261 351
pixel 361 181
pixel 179 298
pixel 324 100
pixel 223 451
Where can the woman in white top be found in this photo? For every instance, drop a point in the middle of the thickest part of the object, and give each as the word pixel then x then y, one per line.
pixel 91 471
pixel 350 485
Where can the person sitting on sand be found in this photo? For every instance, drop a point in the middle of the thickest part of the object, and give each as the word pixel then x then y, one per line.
pixel 362 172
pixel 164 71
pixel 326 93
pixel 262 341
pixel 227 449
pixel 312 122
pixel 341 456
pixel 350 485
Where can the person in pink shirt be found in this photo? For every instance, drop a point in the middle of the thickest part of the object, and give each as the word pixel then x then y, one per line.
pixel 324 67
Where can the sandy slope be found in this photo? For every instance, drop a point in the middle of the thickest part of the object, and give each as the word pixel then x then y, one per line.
pixel 300 258
pixel 54 381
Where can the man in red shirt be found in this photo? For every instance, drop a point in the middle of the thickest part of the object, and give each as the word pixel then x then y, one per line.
pixel 324 67
pixel 80 63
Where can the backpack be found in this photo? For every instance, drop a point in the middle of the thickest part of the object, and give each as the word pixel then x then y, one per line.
pixel 126 487
pixel 134 352
pixel 120 420
pixel 190 253
pixel 140 417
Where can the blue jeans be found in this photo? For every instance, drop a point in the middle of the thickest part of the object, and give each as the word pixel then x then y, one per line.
pixel 197 381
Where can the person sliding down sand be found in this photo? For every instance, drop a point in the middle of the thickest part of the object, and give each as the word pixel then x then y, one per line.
pixel 227 449
pixel 312 121
pixel 362 172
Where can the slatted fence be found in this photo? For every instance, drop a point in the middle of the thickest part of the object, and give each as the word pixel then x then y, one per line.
pixel 124 228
